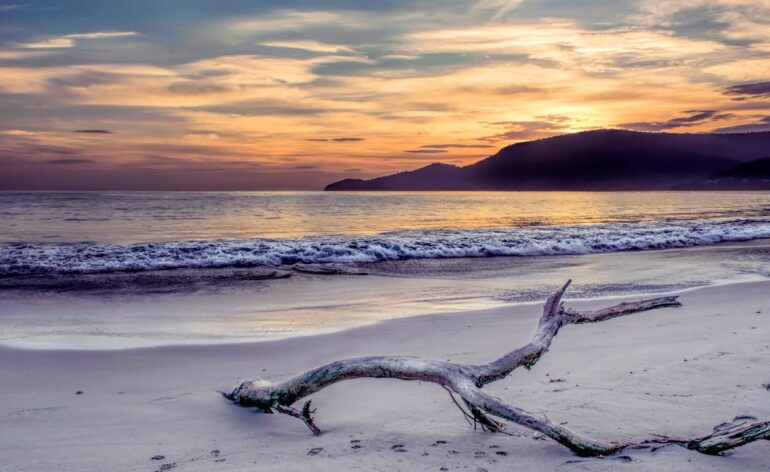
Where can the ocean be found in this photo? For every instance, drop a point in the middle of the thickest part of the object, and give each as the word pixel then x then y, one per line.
pixel 101 232
pixel 107 270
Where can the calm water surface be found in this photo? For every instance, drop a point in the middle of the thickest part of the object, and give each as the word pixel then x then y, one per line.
pixel 131 217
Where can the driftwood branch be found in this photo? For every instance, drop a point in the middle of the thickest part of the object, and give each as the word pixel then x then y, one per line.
pixel 306 415
pixel 466 381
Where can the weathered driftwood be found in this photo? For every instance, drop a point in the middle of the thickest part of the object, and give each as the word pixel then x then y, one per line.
pixel 466 381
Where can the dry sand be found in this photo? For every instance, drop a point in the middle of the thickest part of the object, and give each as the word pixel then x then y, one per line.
pixel 674 371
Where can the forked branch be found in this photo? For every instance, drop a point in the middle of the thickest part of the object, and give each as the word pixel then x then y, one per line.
pixel 466 381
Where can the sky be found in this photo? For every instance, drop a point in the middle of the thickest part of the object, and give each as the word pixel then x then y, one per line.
pixel 295 94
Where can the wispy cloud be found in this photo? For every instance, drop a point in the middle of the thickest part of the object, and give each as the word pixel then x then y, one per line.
pixel 289 20
pixel 731 21
pixel 11 7
pixel 101 35
pixel 456 146
pixel 691 118
pixel 343 139
pixel 499 8
pixel 763 124
pixel 566 43
pixel 92 131
pixel 17 132
pixel 70 161
pixel 426 151
pixel 50 43
pixel 312 46
pixel 69 40
pixel 742 91
pixel 526 130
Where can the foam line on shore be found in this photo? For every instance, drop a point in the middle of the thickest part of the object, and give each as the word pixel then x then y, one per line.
pixel 39 259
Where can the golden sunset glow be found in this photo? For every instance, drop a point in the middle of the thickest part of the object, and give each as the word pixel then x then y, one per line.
pixel 282 96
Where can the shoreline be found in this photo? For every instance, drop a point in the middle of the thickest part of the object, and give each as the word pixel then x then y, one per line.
pixel 239 308
pixel 601 299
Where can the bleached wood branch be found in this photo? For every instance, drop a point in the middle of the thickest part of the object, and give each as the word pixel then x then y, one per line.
pixel 467 381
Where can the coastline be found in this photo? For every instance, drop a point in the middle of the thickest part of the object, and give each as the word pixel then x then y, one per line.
pixel 674 371
pixel 104 312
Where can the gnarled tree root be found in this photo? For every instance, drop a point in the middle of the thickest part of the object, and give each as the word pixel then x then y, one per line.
pixel 466 381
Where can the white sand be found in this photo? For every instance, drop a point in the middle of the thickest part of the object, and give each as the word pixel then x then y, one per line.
pixel 675 371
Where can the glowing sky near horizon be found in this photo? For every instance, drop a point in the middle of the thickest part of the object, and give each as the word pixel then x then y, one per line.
pixel 193 94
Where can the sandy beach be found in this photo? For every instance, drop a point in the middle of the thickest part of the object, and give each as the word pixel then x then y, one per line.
pixel 678 371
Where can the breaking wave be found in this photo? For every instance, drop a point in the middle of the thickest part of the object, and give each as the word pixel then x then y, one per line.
pixel 36 259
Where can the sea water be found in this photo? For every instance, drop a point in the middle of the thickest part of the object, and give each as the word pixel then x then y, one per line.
pixel 46 232
pixel 115 270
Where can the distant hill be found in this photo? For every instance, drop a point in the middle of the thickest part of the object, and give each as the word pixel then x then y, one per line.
pixel 592 160
pixel 759 169
pixel 753 175
pixel 432 177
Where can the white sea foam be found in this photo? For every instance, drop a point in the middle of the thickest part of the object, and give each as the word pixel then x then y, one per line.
pixel 22 259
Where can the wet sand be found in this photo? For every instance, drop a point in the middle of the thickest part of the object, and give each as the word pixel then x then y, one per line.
pixel 220 306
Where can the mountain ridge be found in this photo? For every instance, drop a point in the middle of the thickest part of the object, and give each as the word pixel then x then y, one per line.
pixel 607 159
